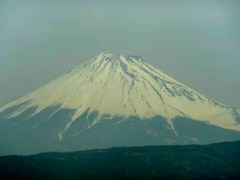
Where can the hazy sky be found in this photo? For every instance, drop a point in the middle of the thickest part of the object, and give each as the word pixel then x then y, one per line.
pixel 195 41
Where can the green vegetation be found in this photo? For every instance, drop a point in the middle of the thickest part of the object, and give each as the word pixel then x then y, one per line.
pixel 217 161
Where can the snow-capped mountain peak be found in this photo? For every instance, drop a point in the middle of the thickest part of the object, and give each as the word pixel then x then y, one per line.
pixel 125 86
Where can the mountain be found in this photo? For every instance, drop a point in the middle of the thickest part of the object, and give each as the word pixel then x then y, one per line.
pixel 216 161
pixel 113 101
pixel 238 111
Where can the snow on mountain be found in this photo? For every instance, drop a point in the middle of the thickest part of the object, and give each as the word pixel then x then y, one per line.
pixel 124 86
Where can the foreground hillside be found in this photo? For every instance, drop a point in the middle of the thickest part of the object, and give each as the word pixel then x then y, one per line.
pixel 217 161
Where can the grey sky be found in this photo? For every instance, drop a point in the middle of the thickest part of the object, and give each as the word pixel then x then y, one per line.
pixel 196 42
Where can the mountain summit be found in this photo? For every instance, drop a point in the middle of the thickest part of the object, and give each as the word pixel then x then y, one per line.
pixel 111 101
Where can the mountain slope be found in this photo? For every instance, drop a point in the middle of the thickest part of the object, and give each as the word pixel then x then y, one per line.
pixel 217 161
pixel 122 91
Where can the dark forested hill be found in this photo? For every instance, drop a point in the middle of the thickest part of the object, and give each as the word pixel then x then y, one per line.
pixel 217 161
